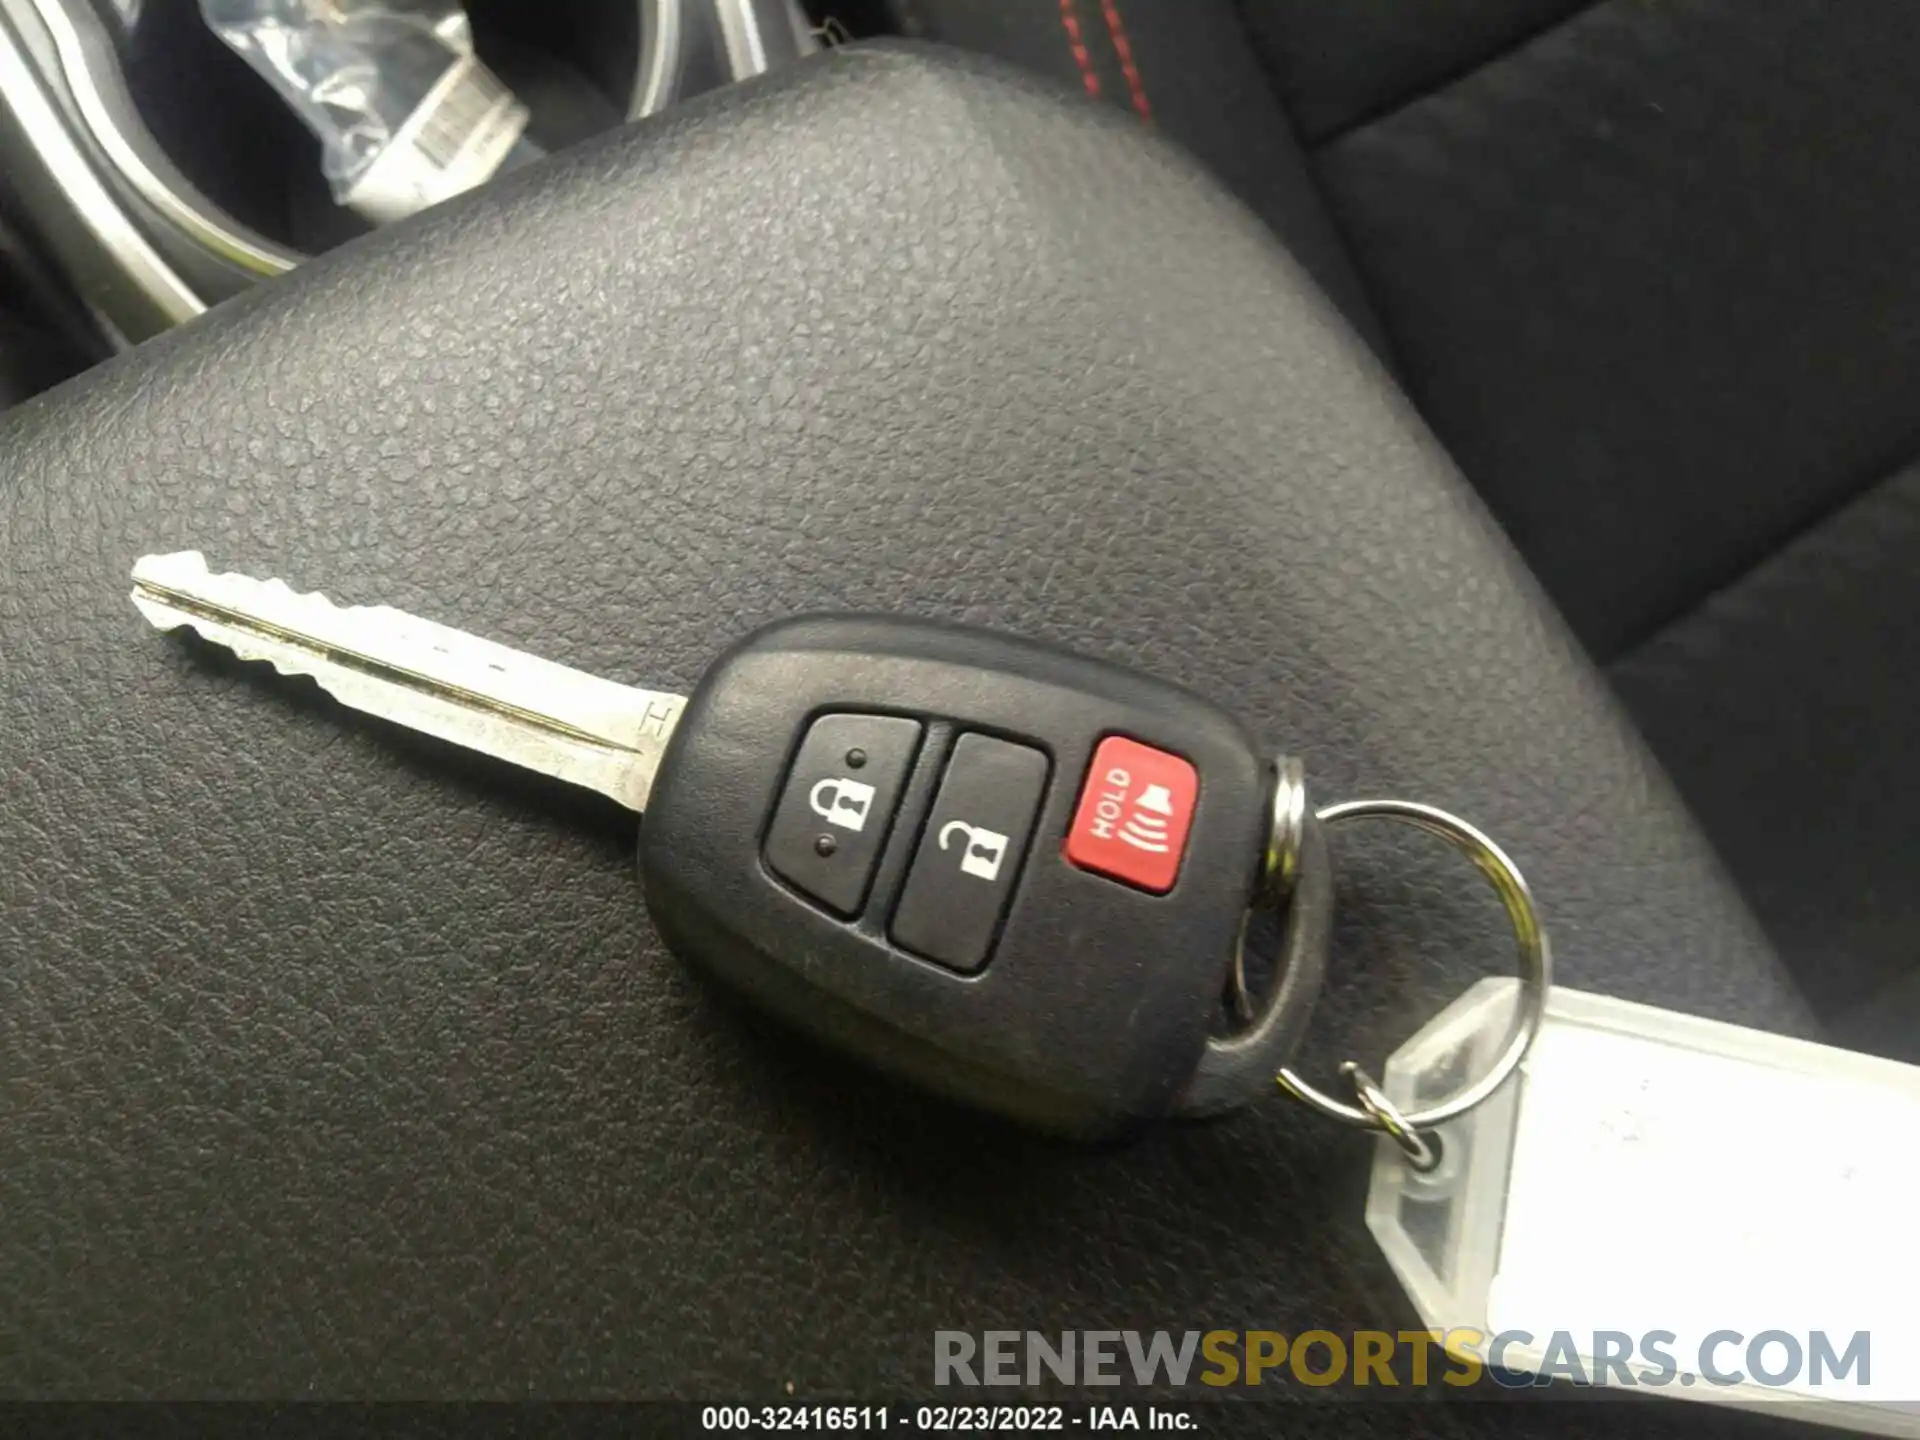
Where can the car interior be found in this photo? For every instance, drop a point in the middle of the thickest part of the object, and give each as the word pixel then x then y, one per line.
pixel 1503 403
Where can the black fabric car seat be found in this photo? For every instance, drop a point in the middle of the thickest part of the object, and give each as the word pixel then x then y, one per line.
pixel 1646 268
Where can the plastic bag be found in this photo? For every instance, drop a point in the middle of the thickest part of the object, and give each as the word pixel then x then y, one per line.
pixel 407 115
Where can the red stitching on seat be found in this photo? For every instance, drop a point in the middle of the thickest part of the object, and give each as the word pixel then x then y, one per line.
pixel 1136 87
pixel 1070 19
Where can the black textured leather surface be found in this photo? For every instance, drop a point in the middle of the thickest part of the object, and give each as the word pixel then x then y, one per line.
pixel 338 1062
pixel 1189 72
pixel 1649 278
pixel 1785 707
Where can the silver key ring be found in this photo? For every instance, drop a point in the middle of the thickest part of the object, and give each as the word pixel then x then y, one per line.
pixel 1387 1116
pixel 1375 1111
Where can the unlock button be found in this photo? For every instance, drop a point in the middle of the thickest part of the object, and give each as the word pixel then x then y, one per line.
pixel 837 806
pixel 970 852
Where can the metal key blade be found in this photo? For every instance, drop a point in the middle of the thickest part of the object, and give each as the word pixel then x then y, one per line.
pixel 432 678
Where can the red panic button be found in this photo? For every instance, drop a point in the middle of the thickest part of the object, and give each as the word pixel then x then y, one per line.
pixel 1134 814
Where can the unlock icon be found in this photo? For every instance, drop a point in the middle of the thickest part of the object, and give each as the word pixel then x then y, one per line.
pixel 842 802
pixel 982 852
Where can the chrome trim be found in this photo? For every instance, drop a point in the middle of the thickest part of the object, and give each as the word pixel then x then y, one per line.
pixel 255 255
pixel 663 31
pixel 751 48
pixel 168 298
pixel 54 125
pixel 740 32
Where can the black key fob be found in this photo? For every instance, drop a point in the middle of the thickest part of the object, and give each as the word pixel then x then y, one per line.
pixel 1011 874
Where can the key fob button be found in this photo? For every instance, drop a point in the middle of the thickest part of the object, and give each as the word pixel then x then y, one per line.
pixel 837 805
pixel 978 959
pixel 1134 814
pixel 970 852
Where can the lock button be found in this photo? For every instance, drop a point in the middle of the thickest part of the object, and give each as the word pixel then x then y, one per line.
pixel 837 805
pixel 970 852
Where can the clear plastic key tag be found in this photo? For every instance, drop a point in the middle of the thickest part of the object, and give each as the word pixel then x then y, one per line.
pixel 1666 1205
pixel 1578 1189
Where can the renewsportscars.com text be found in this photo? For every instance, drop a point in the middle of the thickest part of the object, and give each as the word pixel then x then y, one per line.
pixel 1389 1358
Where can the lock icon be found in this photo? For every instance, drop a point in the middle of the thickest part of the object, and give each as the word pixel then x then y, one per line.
pixel 849 805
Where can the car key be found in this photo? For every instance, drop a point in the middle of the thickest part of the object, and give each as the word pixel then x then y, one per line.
pixel 1014 875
